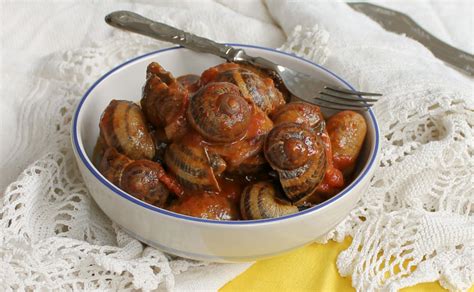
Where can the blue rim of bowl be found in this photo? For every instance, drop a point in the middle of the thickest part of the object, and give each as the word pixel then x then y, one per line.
pixel 124 195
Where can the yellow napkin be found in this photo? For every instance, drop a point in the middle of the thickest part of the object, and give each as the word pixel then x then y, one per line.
pixel 310 268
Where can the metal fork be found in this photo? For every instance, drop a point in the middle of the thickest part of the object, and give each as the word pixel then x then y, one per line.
pixel 313 90
pixel 303 86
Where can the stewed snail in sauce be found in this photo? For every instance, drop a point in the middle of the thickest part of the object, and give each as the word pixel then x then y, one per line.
pixel 226 145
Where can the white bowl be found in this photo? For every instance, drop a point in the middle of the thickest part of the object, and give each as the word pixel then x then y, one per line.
pixel 196 238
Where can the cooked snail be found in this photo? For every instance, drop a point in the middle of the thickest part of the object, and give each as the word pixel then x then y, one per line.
pixel 161 142
pixel 298 155
pixel 252 165
pixel 209 206
pixel 112 165
pixel 260 201
pixel 269 74
pixel 189 162
pixel 300 113
pixel 219 112
pixel 311 116
pixel 143 179
pixel 225 145
pixel 347 130
pixel 261 91
pixel 164 101
pixel 235 153
pixel 123 127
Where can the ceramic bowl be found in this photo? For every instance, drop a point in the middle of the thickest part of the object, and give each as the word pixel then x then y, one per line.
pixel 195 238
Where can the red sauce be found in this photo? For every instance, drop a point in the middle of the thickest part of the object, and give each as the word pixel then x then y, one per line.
pixel 231 188
pixel 333 177
pixel 222 205
pixel 233 185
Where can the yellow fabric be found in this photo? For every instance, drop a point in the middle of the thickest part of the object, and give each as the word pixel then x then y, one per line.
pixel 310 268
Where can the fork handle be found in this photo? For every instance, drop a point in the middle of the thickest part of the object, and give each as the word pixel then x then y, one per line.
pixel 136 23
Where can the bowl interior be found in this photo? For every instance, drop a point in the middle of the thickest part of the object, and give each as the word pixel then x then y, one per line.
pixel 126 82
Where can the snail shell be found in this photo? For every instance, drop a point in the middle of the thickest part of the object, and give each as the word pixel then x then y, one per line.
pixel 264 73
pixel 219 112
pixel 191 166
pixel 164 101
pixel 310 116
pixel 251 165
pixel 261 91
pixel 236 153
pixel 347 130
pixel 112 165
pixel 298 155
pixel 260 201
pixel 190 82
pixel 208 206
pixel 299 112
pixel 123 127
pixel 143 179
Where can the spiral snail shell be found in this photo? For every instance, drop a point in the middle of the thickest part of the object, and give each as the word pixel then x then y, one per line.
pixel 310 116
pixel 347 130
pixel 260 201
pixel 219 112
pixel 298 155
pixel 300 113
pixel 112 164
pixel 143 179
pixel 258 89
pixel 123 127
pixel 236 153
pixel 164 101
pixel 229 139
pixel 191 166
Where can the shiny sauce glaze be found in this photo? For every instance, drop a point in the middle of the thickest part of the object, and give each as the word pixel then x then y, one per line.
pixel 226 145
pixel 223 203
pixel 219 205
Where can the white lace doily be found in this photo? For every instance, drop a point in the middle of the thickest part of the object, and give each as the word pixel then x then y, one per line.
pixel 419 206
pixel 417 211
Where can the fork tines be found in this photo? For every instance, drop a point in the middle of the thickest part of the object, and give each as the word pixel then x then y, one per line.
pixel 339 98
pixel 343 90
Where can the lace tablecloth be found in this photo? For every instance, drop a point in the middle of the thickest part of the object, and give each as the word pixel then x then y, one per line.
pixel 417 211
